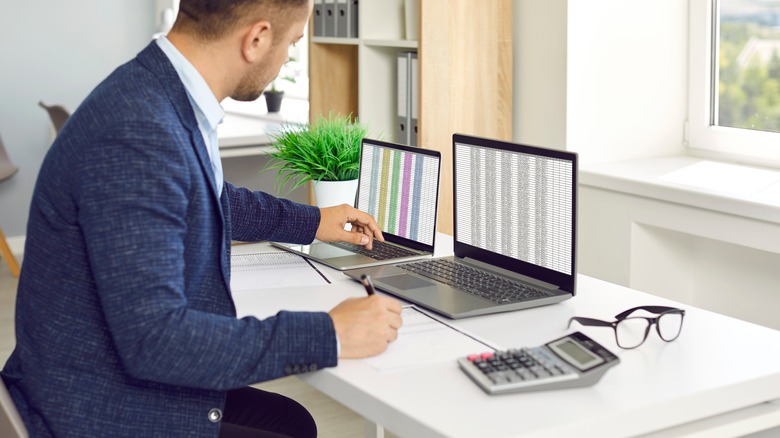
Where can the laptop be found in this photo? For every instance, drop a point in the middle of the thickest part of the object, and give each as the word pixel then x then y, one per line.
pixel 515 211
pixel 399 186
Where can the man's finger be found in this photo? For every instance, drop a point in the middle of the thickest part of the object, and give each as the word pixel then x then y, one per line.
pixel 365 220
pixel 353 237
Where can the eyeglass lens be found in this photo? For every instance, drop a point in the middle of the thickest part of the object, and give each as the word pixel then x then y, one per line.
pixel 632 331
pixel 670 325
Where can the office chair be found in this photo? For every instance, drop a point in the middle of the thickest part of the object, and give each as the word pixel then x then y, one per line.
pixel 7 170
pixel 11 424
pixel 58 115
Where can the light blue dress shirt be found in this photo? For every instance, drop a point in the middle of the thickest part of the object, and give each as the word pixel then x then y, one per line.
pixel 208 111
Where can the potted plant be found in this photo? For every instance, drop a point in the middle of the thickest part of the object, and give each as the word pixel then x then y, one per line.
pixel 326 152
pixel 275 93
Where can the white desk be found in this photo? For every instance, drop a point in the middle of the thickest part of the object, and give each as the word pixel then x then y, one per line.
pixel 244 131
pixel 721 377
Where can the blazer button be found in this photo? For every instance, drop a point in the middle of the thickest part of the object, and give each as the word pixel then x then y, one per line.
pixel 215 415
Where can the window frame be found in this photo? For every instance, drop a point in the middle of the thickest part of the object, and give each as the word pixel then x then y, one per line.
pixel 703 138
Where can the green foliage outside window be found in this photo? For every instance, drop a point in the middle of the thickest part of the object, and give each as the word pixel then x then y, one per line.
pixel 749 91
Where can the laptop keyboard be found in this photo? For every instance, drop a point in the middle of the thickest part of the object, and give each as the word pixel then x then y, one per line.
pixel 475 281
pixel 381 250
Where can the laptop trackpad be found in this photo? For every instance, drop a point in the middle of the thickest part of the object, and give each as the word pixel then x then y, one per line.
pixel 405 282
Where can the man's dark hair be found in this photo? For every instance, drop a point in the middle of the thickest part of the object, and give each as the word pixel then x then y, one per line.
pixel 211 19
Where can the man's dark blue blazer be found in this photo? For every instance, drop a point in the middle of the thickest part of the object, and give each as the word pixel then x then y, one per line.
pixel 125 324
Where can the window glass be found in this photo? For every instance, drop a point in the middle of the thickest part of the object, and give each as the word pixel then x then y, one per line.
pixel 747 65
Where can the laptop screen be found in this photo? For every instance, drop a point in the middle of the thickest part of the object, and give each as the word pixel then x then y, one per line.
pixel 515 206
pixel 399 188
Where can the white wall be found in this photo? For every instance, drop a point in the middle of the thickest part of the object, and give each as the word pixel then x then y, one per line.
pixel 58 52
pixel 540 72
pixel 604 78
pixel 627 78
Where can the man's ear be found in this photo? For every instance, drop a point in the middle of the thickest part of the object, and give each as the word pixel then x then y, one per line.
pixel 257 41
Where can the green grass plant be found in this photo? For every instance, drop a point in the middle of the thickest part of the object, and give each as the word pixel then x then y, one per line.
pixel 327 149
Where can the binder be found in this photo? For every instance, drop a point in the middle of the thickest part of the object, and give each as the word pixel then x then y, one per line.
pixel 342 18
pixel 353 18
pixel 402 126
pixel 317 23
pixel 413 90
pixel 329 17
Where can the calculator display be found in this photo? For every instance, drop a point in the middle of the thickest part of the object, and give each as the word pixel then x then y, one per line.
pixel 575 353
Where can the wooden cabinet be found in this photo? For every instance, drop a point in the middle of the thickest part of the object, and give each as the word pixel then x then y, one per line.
pixel 464 69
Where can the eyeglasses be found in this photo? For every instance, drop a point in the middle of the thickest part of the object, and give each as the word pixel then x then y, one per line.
pixel 631 331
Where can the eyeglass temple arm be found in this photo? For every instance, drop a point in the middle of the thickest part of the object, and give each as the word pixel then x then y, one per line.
pixel 651 309
pixel 589 321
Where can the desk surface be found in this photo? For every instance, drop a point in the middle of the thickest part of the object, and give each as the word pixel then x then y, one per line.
pixel 718 365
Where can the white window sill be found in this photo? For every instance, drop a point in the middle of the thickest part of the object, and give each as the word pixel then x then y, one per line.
pixel 740 190
pixel 293 110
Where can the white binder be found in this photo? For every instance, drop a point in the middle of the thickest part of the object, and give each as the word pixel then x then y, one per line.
pixel 404 116
pixel 414 89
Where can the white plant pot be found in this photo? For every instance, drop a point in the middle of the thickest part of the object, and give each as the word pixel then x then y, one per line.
pixel 330 193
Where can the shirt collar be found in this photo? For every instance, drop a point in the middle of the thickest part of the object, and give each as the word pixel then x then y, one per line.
pixel 197 88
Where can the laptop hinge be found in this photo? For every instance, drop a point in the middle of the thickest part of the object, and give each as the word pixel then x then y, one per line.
pixel 509 274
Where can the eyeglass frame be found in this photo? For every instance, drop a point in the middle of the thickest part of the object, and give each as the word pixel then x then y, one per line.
pixel 659 310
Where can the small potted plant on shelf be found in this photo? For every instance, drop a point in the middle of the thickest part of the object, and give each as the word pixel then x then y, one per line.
pixel 275 93
pixel 326 152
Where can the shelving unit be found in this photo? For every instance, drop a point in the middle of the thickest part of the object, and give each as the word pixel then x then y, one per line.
pixel 342 67
pixel 464 69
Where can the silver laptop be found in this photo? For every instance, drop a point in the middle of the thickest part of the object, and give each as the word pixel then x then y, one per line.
pixel 515 211
pixel 399 186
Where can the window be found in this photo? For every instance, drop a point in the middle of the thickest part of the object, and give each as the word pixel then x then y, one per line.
pixel 734 100
pixel 296 69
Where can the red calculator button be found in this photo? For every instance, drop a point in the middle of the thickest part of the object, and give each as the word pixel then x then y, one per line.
pixel 487 355
pixel 472 357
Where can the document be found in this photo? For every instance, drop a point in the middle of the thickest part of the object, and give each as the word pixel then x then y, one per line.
pixel 425 340
pixel 272 269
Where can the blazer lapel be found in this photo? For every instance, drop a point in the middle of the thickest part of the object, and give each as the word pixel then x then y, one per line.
pixel 153 58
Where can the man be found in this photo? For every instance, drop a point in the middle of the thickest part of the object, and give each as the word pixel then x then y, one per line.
pixel 125 325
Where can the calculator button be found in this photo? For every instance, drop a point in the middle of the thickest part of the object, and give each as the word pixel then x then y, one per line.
pixel 472 357
pixel 513 377
pixel 542 373
pixel 521 375
pixel 487 355
pixel 498 377
pixel 526 374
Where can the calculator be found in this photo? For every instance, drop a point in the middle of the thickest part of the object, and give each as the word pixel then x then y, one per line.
pixel 572 361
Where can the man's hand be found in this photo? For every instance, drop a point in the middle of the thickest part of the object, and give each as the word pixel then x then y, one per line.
pixel 365 326
pixel 334 219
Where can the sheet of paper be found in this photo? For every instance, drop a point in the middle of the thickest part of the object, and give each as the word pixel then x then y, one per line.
pixel 424 340
pixel 272 269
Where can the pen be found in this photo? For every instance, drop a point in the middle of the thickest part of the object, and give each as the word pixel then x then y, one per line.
pixel 366 280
